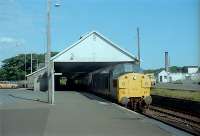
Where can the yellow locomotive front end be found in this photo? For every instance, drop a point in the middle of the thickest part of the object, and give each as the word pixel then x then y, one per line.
pixel 133 89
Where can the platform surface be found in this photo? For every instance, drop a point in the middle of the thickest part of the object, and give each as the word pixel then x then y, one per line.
pixel 74 114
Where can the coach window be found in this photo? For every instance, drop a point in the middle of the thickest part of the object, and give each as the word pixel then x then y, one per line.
pixel 63 81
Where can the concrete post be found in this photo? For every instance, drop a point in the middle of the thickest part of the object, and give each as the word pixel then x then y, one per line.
pixel 48 55
pixel 52 83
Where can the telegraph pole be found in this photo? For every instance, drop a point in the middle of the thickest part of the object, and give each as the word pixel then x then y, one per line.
pixel 25 70
pixel 25 66
pixel 37 65
pixel 31 63
pixel 138 43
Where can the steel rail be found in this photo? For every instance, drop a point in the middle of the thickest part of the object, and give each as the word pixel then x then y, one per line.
pixel 179 120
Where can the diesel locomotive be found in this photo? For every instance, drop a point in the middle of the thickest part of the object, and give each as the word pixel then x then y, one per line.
pixel 124 84
pixel 128 89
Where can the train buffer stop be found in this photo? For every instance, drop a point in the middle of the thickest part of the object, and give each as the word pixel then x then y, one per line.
pixel 77 113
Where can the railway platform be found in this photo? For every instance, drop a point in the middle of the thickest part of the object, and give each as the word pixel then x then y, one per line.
pixel 74 114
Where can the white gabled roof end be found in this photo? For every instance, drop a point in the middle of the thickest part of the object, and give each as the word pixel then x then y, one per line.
pixel 103 38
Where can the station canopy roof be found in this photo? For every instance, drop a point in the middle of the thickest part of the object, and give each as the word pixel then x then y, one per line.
pixel 91 52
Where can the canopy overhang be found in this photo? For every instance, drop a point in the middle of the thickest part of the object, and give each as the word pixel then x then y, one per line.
pixel 71 68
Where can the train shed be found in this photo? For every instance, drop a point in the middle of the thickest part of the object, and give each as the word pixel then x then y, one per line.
pixel 91 52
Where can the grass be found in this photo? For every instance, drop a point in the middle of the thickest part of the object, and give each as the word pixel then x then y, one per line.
pixel 181 94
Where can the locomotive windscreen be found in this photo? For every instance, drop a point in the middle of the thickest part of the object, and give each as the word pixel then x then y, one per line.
pixel 125 68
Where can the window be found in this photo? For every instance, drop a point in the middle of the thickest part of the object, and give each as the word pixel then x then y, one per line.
pixel 160 78
pixel 63 80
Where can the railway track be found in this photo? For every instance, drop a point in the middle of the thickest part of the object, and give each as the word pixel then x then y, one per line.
pixel 188 107
pixel 179 113
pixel 179 120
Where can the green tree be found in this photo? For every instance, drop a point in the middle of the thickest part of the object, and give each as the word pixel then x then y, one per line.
pixel 13 69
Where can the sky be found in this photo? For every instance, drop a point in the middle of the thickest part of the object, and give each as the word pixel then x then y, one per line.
pixel 165 25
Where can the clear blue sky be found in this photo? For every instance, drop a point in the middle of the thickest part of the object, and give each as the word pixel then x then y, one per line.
pixel 165 25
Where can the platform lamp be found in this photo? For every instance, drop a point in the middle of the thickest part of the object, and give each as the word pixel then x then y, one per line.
pixel 48 55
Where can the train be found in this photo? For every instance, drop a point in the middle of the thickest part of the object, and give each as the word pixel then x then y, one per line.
pixel 131 89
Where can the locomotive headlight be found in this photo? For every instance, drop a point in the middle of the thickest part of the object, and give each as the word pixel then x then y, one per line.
pixel 134 77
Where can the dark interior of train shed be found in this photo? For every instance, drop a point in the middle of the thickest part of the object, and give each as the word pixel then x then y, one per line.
pixel 68 74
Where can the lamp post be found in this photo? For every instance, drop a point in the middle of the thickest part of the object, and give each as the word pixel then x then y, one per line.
pixel 48 55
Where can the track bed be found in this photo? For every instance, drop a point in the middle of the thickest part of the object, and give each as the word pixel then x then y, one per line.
pixel 183 114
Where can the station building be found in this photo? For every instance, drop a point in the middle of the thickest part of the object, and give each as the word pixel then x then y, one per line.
pixel 92 52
